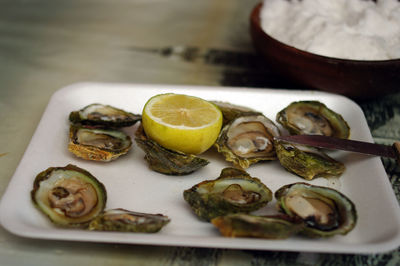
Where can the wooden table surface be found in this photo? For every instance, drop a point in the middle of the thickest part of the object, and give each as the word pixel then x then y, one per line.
pixel 48 44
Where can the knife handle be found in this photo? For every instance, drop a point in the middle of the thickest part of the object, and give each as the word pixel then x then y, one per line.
pixel 396 147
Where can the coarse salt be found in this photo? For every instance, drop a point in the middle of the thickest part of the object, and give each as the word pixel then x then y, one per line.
pixel 348 29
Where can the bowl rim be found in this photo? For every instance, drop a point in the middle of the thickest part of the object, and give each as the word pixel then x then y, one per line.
pixel 255 21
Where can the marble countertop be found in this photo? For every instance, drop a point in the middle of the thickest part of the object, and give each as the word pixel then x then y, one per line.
pixel 46 45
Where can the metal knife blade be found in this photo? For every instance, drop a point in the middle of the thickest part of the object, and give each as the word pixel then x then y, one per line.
pixel 345 144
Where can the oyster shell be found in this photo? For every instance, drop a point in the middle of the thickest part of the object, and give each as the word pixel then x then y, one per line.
pixel 313 118
pixel 232 111
pixel 247 140
pixel 104 115
pixel 128 221
pixel 246 225
pixel 69 196
pixel 98 144
pixel 325 211
pixel 166 161
pixel 307 162
pixel 233 191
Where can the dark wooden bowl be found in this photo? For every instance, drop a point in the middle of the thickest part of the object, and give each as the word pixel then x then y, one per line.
pixel 356 79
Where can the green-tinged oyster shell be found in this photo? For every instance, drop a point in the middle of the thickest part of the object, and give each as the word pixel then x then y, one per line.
pixel 247 140
pixel 98 144
pixel 233 191
pixel 307 162
pixel 325 211
pixel 69 196
pixel 246 225
pixel 313 118
pixel 232 111
pixel 104 115
pixel 128 221
pixel 166 161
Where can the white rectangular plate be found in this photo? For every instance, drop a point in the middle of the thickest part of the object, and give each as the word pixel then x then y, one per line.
pixel 131 185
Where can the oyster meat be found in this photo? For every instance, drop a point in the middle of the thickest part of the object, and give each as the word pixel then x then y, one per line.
pixel 247 225
pixel 105 115
pixel 247 140
pixel 128 221
pixel 313 118
pixel 307 162
pixel 167 161
pixel 232 192
pixel 69 196
pixel 325 211
pixel 98 144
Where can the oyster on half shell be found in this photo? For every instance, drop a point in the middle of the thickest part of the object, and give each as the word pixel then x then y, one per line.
pixel 247 140
pixel 232 192
pixel 313 118
pixel 70 196
pixel 324 211
pixel 307 162
pixel 103 115
pixel 98 144
pixel 128 221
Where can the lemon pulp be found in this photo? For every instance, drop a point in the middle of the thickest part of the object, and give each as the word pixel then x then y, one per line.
pixel 181 122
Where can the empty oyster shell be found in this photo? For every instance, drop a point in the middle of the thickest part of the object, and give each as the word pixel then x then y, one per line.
pixel 307 162
pixel 69 196
pixel 325 211
pixel 313 118
pixel 105 115
pixel 233 191
pixel 247 140
pixel 98 144
pixel 247 225
pixel 166 161
pixel 128 221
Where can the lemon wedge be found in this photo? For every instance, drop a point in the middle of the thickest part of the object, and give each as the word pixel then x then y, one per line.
pixel 182 123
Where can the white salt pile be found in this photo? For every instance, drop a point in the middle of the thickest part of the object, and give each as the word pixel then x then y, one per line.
pixel 349 29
